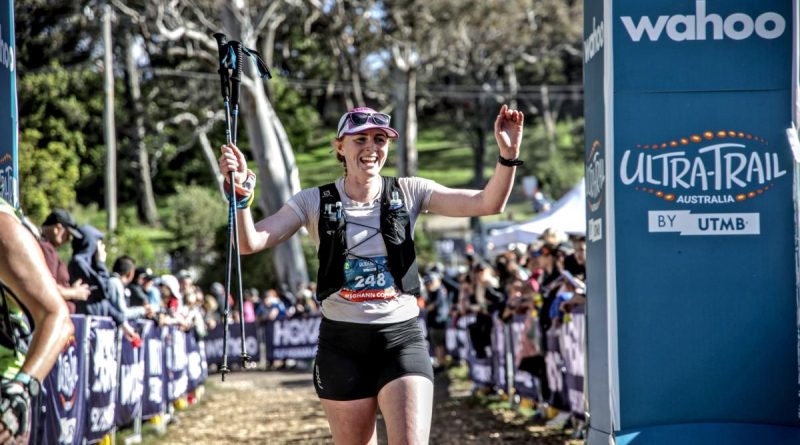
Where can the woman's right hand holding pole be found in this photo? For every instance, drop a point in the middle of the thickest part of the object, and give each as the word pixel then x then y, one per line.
pixel 232 160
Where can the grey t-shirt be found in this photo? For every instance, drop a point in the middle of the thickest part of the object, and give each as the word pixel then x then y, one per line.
pixel 369 294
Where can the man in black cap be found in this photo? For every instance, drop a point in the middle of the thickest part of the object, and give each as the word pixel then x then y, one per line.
pixel 58 228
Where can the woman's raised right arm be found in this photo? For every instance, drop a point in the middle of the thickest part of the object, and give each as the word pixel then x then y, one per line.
pixel 270 231
pixel 267 233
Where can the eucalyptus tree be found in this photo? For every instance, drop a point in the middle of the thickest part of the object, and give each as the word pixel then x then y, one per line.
pixel 178 38
pixel 501 48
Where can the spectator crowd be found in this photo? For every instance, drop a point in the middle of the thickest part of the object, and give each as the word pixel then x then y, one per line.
pixel 544 281
pixel 127 292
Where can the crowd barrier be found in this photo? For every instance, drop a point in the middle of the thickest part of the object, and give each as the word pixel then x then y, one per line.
pixel 100 383
pixel 499 361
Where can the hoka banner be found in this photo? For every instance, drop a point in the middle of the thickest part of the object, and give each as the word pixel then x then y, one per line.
pixel 295 338
pixel 9 170
pixel 691 226
pixel 213 344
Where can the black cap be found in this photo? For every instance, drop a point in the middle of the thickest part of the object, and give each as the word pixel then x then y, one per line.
pixel 430 276
pixel 63 217
pixel 146 272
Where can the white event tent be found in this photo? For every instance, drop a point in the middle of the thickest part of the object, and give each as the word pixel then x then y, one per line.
pixel 568 214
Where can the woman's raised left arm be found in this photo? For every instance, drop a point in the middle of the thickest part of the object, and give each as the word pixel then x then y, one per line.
pixel 492 199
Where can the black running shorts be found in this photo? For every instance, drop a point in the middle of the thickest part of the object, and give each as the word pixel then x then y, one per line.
pixel 354 361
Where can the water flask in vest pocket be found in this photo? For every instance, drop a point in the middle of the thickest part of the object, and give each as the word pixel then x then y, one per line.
pixel 395 203
pixel 332 214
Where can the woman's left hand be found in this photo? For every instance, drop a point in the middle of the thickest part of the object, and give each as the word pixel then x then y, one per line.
pixel 508 131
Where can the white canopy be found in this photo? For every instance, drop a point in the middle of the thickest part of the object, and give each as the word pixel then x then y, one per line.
pixel 568 214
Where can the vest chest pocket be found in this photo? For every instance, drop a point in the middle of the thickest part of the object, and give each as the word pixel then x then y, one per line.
pixel 394 227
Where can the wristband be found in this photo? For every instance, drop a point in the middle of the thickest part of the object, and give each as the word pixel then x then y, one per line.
pixel 245 193
pixel 29 382
pixel 509 162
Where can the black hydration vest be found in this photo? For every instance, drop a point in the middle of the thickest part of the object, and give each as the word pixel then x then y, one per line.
pixel 395 228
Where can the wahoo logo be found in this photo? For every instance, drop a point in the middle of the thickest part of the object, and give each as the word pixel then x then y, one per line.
pixel 595 42
pixel 679 27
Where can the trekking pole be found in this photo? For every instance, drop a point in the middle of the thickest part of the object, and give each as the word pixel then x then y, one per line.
pixel 224 76
pixel 236 83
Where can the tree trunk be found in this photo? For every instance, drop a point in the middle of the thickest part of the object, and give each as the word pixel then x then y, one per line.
pixel 549 119
pixel 275 164
pixel 211 158
pixel 513 85
pixel 410 130
pixel 145 202
pixel 275 180
pixel 355 82
pixel 480 142
pixel 406 120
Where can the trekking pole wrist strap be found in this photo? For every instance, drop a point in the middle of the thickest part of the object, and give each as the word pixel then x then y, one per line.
pixel 244 193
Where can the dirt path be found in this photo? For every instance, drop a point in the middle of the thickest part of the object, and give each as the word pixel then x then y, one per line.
pixel 282 408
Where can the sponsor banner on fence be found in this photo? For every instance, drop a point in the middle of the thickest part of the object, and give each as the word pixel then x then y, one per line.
pixel 102 382
pixel 213 344
pixel 573 352
pixel 65 389
pixel 458 344
pixel 153 400
pixel 499 352
pixel 131 379
pixel 177 361
pixel 195 363
pixel 480 371
pixel 525 340
pixel 295 338
pixel 555 370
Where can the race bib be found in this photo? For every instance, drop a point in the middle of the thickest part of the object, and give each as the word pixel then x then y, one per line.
pixel 368 279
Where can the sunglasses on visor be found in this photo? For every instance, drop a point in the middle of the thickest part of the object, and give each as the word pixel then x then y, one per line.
pixel 361 118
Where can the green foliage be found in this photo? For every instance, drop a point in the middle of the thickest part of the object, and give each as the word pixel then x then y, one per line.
pixel 560 170
pixel 147 246
pixel 426 251
pixel 192 215
pixel 298 118
pixel 256 269
pixel 57 112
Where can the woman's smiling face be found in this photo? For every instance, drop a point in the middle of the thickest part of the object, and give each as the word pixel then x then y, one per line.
pixel 364 153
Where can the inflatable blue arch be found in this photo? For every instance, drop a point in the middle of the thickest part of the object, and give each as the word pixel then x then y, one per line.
pixel 692 221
